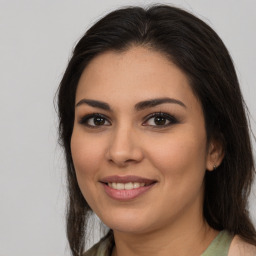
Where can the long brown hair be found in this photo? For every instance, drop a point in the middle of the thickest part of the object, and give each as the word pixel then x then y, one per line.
pixel 198 51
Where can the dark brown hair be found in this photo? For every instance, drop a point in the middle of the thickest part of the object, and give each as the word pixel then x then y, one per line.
pixel 198 51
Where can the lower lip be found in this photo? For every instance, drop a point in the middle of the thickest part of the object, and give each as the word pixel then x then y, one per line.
pixel 126 194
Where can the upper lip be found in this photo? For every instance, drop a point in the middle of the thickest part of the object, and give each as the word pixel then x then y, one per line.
pixel 126 179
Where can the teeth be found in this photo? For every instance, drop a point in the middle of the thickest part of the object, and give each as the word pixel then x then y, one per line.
pixel 126 186
pixel 119 186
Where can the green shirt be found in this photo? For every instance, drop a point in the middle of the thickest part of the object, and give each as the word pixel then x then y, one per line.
pixel 218 247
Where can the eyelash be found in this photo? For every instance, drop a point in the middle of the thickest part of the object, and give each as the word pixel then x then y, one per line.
pixel 84 120
pixel 172 120
pixel 166 117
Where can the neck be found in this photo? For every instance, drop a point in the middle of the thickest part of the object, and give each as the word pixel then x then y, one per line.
pixel 188 236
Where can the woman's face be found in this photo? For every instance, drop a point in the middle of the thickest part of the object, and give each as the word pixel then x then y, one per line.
pixel 139 142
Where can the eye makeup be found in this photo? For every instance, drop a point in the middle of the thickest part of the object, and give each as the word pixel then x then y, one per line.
pixel 159 120
pixel 94 120
pixel 155 120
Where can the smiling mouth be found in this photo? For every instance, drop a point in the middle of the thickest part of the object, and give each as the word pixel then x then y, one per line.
pixel 127 182
pixel 126 187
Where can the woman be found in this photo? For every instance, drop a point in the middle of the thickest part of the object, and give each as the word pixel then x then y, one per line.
pixel 156 139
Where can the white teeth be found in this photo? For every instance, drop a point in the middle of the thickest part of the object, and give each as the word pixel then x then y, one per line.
pixel 120 186
pixel 126 186
pixel 137 185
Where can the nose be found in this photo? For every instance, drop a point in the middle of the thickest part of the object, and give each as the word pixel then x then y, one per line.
pixel 124 147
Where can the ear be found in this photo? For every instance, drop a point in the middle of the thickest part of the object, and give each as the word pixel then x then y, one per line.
pixel 215 155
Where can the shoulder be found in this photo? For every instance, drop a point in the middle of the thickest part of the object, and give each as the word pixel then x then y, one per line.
pixel 92 251
pixel 103 247
pixel 239 247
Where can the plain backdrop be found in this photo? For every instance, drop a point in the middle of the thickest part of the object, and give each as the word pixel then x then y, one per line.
pixel 36 40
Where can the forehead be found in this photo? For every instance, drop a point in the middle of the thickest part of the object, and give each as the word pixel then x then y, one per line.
pixel 138 72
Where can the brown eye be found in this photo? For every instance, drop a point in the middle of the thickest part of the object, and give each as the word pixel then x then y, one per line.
pixel 97 121
pixel 94 120
pixel 160 120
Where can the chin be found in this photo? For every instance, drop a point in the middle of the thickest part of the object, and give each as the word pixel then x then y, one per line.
pixel 128 228
pixel 128 223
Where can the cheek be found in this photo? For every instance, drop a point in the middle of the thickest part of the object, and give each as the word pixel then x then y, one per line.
pixel 181 163
pixel 180 157
pixel 86 155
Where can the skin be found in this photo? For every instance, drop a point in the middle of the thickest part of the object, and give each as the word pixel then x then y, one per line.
pixel 239 247
pixel 168 217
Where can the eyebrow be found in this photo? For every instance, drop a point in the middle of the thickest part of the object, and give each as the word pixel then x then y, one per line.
pixel 154 102
pixel 139 106
pixel 94 103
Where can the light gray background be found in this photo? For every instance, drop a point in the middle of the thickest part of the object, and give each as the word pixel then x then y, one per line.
pixel 36 39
